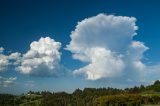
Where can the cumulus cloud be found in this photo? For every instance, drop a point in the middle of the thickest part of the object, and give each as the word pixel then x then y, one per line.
pixel 15 58
pixel 42 59
pixel 105 43
pixel 7 60
pixel 6 82
pixel 4 62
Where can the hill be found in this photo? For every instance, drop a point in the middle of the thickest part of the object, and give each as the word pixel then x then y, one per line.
pixel 136 96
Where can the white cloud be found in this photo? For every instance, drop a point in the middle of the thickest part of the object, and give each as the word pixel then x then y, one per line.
pixel 100 60
pixel 6 82
pixel 135 54
pixel 4 62
pixel 42 59
pixel 1 49
pixel 105 43
pixel 7 60
pixel 15 57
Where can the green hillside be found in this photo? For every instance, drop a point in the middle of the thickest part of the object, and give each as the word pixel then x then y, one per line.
pixel 136 96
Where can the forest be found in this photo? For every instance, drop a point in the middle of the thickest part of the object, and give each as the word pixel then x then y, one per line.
pixel 136 96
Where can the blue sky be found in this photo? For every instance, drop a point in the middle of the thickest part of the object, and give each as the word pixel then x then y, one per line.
pixel 22 22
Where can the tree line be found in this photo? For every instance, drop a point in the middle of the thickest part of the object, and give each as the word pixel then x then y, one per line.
pixel 135 96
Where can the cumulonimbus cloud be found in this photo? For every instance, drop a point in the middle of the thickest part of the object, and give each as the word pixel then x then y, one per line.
pixel 105 43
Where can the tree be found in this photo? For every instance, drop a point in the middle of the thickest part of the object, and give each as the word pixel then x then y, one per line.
pixel 157 82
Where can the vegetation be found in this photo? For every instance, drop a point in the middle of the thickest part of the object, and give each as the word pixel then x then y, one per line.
pixel 136 96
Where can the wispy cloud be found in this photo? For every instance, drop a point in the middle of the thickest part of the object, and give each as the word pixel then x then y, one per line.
pixel 6 82
pixel 30 84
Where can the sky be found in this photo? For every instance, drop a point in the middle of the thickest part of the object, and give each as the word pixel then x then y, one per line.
pixel 62 45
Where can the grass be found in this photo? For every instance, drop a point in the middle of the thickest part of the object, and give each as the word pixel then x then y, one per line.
pixel 30 100
pixel 150 94
pixel 32 103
